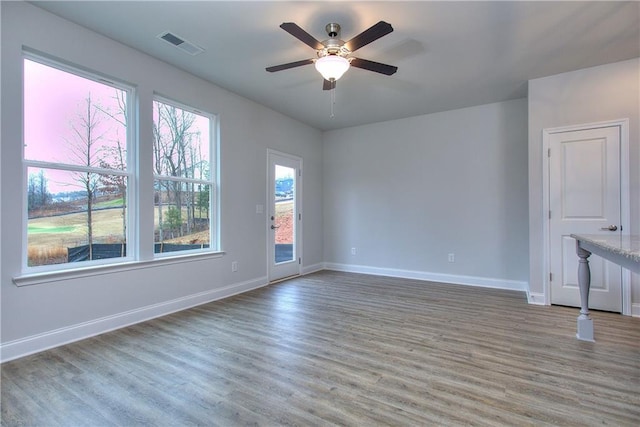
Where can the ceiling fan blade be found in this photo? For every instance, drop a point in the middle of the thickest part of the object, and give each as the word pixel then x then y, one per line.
pixel 289 65
pixel 328 85
pixel 301 35
pixel 376 67
pixel 367 36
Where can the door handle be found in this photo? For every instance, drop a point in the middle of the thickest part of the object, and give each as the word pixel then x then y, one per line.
pixel 610 228
pixel 273 227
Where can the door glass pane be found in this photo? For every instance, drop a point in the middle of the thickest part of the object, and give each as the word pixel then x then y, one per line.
pixel 284 220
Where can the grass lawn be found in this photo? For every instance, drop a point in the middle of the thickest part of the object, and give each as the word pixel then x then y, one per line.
pixel 51 234
pixel 71 230
pixel 114 203
pixel 32 229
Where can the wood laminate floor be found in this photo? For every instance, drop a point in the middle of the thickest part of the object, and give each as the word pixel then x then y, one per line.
pixel 338 348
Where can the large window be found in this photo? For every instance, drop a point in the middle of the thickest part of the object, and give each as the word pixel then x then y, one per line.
pixel 184 184
pixel 81 179
pixel 77 166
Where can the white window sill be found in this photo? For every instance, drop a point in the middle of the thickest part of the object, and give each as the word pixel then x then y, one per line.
pixel 56 276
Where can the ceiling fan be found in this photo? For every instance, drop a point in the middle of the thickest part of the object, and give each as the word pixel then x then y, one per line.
pixel 334 55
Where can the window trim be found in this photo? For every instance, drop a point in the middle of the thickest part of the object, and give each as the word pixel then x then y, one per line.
pixel 51 276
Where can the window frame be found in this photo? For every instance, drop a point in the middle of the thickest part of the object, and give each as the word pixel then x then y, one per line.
pixel 130 172
pixel 212 182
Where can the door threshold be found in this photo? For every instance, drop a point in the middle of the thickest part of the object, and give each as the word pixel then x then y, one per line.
pixel 284 278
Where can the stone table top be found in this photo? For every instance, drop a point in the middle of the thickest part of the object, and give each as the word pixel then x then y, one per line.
pixel 626 248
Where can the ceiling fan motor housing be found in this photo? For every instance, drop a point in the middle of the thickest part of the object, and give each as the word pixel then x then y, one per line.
pixel 333 30
pixel 333 45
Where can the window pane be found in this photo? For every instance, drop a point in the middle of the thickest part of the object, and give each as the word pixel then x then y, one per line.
pixel 181 142
pixel 69 210
pixel 73 120
pixel 182 216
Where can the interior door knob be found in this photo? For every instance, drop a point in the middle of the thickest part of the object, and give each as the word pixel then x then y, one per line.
pixel 273 227
pixel 610 228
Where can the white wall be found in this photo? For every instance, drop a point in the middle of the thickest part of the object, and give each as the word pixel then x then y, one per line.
pixel 607 92
pixel 408 192
pixel 47 314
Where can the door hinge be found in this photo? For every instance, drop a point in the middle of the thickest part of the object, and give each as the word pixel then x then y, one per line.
pixel 299 172
pixel 548 152
pixel 549 214
pixel 299 217
pixel 299 260
pixel 551 277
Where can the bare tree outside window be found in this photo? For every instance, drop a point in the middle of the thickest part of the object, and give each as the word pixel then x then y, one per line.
pixel 84 147
pixel 38 195
pixel 117 184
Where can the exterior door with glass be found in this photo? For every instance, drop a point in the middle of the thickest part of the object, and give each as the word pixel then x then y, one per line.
pixel 284 216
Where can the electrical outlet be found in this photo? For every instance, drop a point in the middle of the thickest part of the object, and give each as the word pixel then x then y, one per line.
pixel 452 257
pixel 353 251
pixel 234 266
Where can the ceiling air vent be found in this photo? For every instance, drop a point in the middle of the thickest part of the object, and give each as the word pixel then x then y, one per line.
pixel 181 43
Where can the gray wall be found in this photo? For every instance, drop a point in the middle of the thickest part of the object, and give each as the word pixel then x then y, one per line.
pixel 607 92
pixel 90 304
pixel 405 193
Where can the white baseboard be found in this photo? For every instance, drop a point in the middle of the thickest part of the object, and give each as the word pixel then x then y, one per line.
pixel 308 269
pixel 432 277
pixel 536 298
pixel 635 309
pixel 36 343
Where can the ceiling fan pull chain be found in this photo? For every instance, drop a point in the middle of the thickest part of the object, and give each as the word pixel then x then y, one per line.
pixel 333 101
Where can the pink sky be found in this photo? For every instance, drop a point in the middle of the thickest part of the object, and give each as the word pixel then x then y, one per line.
pixel 54 100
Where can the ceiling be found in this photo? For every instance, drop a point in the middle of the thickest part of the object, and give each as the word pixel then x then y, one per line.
pixel 449 54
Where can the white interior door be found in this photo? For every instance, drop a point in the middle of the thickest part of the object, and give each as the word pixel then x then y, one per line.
pixel 284 216
pixel 584 198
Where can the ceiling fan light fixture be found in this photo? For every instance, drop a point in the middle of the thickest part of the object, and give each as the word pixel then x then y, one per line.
pixel 332 67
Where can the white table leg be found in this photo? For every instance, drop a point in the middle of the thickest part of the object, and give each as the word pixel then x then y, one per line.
pixel 585 323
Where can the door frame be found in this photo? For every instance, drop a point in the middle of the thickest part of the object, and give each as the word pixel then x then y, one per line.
pixel 298 209
pixel 623 124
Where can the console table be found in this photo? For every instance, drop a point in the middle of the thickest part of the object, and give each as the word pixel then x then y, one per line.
pixel 622 250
